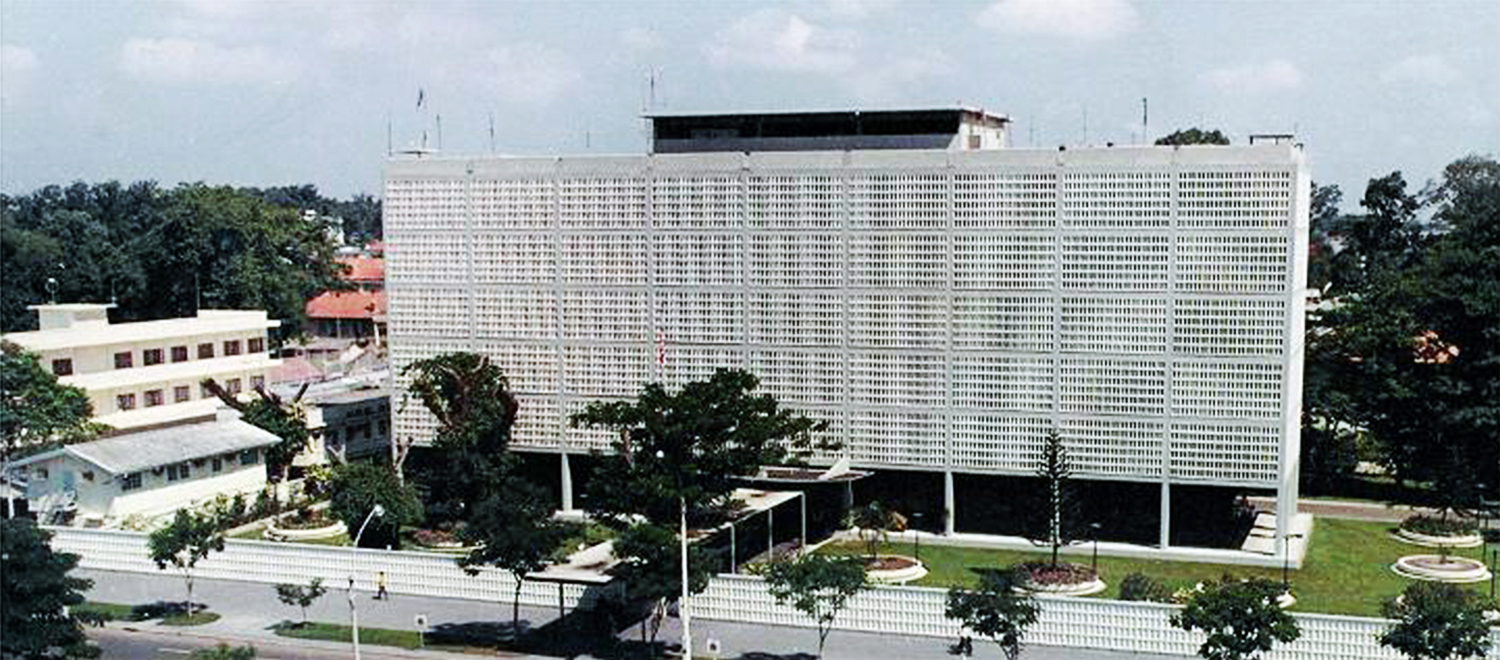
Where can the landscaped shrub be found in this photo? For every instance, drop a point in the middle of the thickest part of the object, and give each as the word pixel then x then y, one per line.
pixel 1044 574
pixel 1142 587
pixel 1436 526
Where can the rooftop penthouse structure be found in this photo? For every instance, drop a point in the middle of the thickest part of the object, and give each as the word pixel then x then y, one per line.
pixel 942 301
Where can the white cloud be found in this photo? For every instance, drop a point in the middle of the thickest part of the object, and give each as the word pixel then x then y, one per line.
pixel 781 41
pixel 892 78
pixel 179 60
pixel 857 8
pixel 17 60
pixel 527 72
pixel 1421 70
pixel 1077 19
pixel 642 40
pixel 1270 76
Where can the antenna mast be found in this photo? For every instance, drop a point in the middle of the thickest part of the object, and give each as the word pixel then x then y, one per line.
pixel 492 132
pixel 1145 123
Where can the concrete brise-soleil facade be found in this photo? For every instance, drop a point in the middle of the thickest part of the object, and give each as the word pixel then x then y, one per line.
pixel 146 373
pixel 942 309
pixel 149 472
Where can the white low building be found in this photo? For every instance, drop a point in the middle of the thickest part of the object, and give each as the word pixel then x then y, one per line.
pixel 148 373
pixel 150 472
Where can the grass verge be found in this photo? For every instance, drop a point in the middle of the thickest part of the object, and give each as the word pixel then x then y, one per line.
pixel 1348 567
pixel 405 639
pixel 195 620
pixel 104 611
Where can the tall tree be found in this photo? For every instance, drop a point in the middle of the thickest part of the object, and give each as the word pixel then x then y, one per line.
pixel 997 609
pixel 514 531
pixel 190 538
pixel 1241 619
pixel 1437 621
pixel 35 594
pixel 648 568
pixel 690 447
pixel 1054 515
pixel 296 595
pixel 819 586
pixel 875 522
pixel 1193 136
pixel 475 410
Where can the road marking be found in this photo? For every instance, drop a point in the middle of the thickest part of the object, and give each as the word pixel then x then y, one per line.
pixel 177 651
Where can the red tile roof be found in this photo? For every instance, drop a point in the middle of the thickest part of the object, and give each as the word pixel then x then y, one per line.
pixel 295 370
pixel 347 305
pixel 364 269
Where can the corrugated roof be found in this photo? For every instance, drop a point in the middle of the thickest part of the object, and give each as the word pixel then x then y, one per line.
pixel 142 450
pixel 363 269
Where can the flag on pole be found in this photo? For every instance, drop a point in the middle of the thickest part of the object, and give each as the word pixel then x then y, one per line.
pixel 421 96
pixel 661 348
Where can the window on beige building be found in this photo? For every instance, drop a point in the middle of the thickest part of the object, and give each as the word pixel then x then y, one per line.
pixel 179 354
pixel 62 367
pixel 125 402
pixel 181 393
pixel 151 356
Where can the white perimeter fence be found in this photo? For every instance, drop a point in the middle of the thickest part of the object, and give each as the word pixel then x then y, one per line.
pixel 1074 622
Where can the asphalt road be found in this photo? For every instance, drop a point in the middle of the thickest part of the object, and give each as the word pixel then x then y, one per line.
pixel 122 644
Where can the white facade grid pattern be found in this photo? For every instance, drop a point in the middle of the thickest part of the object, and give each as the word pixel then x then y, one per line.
pixel 530 368
pixel 538 423
pixel 1112 324
pixel 920 295
pixel 1224 452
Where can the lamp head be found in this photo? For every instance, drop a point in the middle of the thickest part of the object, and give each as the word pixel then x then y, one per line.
pixel 378 511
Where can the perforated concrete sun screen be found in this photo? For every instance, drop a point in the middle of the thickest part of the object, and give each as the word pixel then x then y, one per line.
pixel 942 310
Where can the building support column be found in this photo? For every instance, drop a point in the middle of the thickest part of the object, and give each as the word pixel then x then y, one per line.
pixel 567 483
pixel 1166 515
pixel 949 512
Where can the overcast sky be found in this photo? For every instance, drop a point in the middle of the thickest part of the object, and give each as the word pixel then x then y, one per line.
pixel 282 92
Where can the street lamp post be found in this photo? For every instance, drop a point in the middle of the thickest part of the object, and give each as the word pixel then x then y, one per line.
pixel 377 512
pixel 1094 532
pixel 1286 562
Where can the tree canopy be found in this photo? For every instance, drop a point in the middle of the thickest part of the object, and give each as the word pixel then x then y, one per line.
pixel 188 539
pixel 996 609
pixel 514 531
pixel 35 410
pixel 1055 514
pixel 156 251
pixel 35 594
pixel 475 409
pixel 819 586
pixel 692 445
pixel 1437 621
pixel 1240 619
pixel 1193 136
pixel 358 487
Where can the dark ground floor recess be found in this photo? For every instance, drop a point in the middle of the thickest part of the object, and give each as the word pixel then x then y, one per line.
pixel 1128 512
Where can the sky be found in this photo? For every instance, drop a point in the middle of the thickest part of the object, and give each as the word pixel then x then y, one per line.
pixel 275 92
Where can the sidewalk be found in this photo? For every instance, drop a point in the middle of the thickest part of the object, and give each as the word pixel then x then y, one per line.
pixel 249 610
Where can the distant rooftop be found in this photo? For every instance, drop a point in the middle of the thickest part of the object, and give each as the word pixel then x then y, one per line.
pixel 81 324
pixel 957 127
pixel 140 450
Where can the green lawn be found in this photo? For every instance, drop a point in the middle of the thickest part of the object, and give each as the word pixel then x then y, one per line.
pixel 198 619
pixel 104 611
pixel 406 639
pixel 1348 568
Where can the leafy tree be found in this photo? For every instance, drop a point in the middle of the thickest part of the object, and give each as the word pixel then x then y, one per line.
pixel 1193 136
pixel 269 412
pixel 875 522
pixel 996 609
pixel 35 594
pixel 296 595
pixel 649 555
pixel 819 586
pixel 225 652
pixel 1241 619
pixel 1437 621
pixel 475 409
pixel 358 487
pixel 514 531
pixel 189 539
pixel 1054 516
pixel 1142 587
pixel 688 449
pixel 36 412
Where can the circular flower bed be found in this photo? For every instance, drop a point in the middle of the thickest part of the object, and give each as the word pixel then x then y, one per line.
pixel 304 525
pixel 894 569
pixel 1435 568
pixel 1064 579
pixel 1436 532
pixel 441 539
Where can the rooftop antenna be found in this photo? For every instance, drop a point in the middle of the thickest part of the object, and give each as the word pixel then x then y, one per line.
pixel 389 148
pixel 1085 125
pixel 440 132
pixel 492 132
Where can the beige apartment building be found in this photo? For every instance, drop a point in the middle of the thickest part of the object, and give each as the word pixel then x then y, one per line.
pixel 149 373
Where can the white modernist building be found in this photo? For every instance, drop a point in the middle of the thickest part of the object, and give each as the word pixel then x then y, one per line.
pixel 148 373
pixel 943 308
